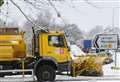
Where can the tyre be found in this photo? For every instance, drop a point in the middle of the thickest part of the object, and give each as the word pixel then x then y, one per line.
pixel 45 73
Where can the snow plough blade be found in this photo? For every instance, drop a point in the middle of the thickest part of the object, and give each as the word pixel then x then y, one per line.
pixel 86 66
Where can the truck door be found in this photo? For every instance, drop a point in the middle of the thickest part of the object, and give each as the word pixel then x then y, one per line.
pixel 64 51
pixel 57 48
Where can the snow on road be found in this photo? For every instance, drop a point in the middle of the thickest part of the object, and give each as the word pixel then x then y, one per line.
pixel 110 72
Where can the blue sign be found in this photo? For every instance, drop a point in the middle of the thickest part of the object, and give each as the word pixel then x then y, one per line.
pixel 87 43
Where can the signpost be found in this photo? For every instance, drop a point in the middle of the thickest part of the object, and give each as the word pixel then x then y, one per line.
pixel 107 42
pixel 87 44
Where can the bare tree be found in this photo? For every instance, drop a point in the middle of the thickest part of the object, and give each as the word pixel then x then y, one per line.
pixel 43 19
pixel 91 4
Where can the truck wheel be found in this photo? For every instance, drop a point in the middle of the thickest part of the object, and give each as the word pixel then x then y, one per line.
pixel 45 73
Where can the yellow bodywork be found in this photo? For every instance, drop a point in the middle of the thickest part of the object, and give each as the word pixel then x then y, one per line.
pixel 12 47
pixel 53 52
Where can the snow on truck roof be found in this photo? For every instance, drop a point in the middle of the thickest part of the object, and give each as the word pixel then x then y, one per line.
pixel 51 31
pixel 9 31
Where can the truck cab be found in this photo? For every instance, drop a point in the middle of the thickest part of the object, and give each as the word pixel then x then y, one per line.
pixel 52 52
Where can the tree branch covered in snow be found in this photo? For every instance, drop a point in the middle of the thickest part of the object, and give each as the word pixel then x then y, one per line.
pixel 91 3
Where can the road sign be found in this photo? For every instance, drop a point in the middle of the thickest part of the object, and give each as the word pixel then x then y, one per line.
pixel 106 41
pixel 87 43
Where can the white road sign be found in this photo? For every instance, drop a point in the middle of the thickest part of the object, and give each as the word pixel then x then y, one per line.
pixel 106 41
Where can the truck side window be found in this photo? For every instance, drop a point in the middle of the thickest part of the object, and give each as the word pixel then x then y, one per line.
pixel 57 41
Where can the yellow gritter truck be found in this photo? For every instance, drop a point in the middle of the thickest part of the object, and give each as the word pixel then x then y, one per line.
pixel 50 53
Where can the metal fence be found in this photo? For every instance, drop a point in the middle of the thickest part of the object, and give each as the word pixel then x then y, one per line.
pixel 22 71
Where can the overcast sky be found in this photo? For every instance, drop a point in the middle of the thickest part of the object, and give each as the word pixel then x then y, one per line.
pixel 85 15
pixel 88 16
